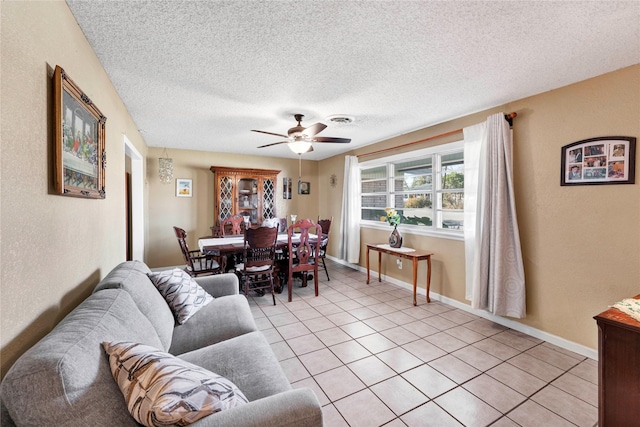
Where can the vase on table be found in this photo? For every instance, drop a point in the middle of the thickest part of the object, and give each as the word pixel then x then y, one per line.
pixel 395 238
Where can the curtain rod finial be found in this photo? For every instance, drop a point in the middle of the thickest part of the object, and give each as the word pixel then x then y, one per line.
pixel 509 117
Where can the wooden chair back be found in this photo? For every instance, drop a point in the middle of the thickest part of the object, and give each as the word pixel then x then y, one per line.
pixel 181 235
pixel 260 246
pixel 303 256
pixel 326 229
pixel 234 225
pixel 197 263
pixel 259 255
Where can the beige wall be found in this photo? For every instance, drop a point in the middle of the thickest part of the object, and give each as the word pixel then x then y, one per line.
pixel 55 249
pixel 581 245
pixel 195 214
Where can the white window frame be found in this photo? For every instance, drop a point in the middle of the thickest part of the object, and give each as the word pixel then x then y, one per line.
pixel 436 192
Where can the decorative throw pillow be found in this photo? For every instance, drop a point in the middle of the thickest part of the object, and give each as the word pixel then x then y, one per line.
pixel 161 389
pixel 184 296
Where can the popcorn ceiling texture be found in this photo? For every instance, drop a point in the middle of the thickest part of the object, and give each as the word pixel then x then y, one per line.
pixel 201 74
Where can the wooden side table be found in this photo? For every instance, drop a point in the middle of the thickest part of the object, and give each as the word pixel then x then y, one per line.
pixel 408 253
pixel 618 369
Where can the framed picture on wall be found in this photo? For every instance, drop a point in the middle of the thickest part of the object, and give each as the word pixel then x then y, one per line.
pixel 184 187
pixel 603 160
pixel 79 156
pixel 304 187
pixel 286 188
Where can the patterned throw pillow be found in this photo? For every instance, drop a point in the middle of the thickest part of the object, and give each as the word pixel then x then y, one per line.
pixel 161 389
pixel 184 296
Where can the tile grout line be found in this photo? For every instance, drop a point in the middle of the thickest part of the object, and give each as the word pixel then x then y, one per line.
pixel 400 309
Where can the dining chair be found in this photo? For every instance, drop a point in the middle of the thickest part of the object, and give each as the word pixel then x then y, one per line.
pixel 281 255
pixel 198 263
pixel 303 255
pixel 258 261
pixel 325 224
pixel 234 225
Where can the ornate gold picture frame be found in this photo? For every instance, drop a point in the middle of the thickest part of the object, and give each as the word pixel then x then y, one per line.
pixel 79 154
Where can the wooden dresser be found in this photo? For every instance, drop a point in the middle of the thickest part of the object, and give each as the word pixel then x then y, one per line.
pixel 618 369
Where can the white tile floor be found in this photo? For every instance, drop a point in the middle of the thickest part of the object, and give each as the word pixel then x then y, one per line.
pixel 374 359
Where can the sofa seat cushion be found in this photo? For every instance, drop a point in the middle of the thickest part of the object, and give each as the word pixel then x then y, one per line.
pixel 221 319
pixel 161 389
pixel 247 361
pixel 183 294
pixel 65 380
pixel 132 277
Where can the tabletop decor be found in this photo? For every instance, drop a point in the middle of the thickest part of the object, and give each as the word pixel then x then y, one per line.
pixel 79 156
pixel 393 218
pixel 604 160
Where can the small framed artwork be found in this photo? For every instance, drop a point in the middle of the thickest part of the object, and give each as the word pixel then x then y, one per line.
pixel 79 156
pixel 604 160
pixel 184 187
pixel 286 188
pixel 304 187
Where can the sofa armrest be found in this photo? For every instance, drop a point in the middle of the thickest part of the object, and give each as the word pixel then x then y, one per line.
pixel 5 418
pixel 293 408
pixel 219 285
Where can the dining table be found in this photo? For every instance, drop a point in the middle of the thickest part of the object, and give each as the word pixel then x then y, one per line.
pixel 234 244
pixel 229 247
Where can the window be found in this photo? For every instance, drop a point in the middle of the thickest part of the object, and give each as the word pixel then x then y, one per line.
pixel 426 187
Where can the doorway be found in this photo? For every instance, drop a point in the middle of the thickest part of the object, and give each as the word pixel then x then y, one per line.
pixel 134 206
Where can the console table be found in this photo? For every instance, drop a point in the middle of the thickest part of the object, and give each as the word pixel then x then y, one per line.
pixel 408 253
pixel 618 369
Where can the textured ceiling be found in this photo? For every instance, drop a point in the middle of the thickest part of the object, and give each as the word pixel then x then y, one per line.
pixel 201 74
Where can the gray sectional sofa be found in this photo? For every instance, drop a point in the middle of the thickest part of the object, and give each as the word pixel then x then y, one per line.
pixel 65 379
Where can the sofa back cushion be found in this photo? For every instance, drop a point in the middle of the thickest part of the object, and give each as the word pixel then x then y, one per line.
pixel 65 378
pixel 132 277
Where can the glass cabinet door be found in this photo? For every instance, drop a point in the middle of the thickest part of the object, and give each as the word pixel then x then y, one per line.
pixel 225 197
pixel 246 192
pixel 248 198
pixel 268 198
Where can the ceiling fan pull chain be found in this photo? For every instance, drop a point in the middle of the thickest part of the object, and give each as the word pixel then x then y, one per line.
pixel 299 167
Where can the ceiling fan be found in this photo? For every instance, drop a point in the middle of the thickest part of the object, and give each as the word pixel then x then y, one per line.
pixel 300 139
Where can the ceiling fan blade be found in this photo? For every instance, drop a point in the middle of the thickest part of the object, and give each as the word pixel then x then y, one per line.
pixel 274 143
pixel 314 129
pixel 270 133
pixel 330 139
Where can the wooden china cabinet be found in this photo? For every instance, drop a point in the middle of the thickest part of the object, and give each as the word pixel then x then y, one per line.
pixel 247 192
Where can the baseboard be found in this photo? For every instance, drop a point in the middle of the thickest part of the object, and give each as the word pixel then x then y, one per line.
pixel 512 324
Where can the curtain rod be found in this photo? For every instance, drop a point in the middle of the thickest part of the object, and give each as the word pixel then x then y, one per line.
pixel 508 117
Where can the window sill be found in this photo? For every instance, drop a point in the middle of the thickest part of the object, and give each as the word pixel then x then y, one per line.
pixel 418 231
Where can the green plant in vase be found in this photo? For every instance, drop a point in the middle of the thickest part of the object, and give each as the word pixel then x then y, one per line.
pixel 393 218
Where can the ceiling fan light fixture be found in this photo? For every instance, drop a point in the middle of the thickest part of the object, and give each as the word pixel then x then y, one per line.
pixel 299 147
